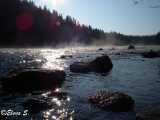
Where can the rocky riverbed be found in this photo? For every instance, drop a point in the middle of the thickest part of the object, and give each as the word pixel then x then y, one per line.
pixel 131 74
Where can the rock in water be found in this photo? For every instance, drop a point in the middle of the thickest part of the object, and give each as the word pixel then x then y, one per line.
pixel 101 65
pixel 100 49
pixel 149 54
pixel 65 56
pixel 35 106
pixel 80 67
pixel 27 80
pixel 111 101
pixel 131 47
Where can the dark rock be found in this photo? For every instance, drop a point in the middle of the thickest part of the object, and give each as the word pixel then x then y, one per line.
pixel 100 49
pixel 113 48
pixel 35 106
pixel 27 80
pixel 131 47
pixel 131 52
pixel 148 115
pixel 117 54
pixel 149 54
pixel 104 54
pixel 158 53
pixel 111 101
pixel 65 56
pixel 101 65
pixel 80 67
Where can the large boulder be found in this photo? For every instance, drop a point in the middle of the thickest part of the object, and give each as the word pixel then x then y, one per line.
pixel 101 65
pixel 111 101
pixel 27 80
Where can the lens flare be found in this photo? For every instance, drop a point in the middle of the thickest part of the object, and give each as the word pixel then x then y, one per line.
pixel 24 21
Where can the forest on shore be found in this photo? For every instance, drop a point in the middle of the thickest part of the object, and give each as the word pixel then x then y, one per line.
pixel 23 24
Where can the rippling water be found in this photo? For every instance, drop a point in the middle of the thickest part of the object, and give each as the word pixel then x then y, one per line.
pixel 131 74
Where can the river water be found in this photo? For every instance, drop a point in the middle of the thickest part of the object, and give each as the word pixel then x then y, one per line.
pixel 131 74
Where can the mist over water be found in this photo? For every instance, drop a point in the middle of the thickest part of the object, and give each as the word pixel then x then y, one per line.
pixel 131 74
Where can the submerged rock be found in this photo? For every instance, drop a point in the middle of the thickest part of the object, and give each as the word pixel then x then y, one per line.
pixel 27 80
pixel 111 101
pixel 150 54
pixel 35 106
pixel 148 115
pixel 131 47
pixel 100 64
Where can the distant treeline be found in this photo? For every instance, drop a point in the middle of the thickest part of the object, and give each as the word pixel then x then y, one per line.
pixel 23 24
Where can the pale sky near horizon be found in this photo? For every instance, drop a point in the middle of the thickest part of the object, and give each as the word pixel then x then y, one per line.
pixel 110 15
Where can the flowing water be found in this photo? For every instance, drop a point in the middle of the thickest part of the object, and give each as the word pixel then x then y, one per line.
pixel 131 74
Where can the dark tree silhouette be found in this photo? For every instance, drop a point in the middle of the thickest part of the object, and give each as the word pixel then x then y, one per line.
pixel 158 38
pixel 157 5
pixel 23 24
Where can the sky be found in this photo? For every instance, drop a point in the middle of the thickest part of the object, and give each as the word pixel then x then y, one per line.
pixel 121 16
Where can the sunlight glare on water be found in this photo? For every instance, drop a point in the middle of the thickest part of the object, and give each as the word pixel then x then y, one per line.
pixel 58 102
pixel 60 111
pixel 52 59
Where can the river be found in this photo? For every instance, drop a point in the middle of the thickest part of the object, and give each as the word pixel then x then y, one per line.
pixel 131 74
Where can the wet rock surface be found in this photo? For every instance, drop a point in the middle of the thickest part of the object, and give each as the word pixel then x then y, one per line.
pixel 148 115
pixel 35 106
pixel 80 67
pixel 27 80
pixel 111 101
pixel 100 64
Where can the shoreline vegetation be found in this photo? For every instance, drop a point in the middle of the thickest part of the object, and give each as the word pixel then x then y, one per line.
pixel 23 24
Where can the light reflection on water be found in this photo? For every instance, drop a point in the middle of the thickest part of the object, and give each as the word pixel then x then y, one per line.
pixel 58 102
pixel 51 59
pixel 131 74
pixel 59 112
